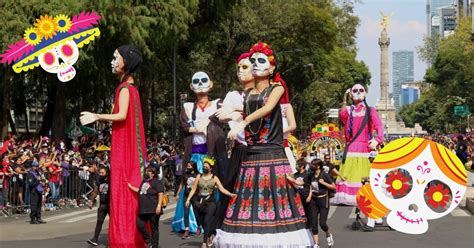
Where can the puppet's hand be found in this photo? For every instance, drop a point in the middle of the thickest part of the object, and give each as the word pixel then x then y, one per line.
pixel 236 116
pixel 236 130
pixel 88 118
pixel 224 111
pixel 373 144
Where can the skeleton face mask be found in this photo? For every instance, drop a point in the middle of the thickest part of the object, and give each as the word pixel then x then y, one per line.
pixel 201 83
pixel 116 62
pixel 60 59
pixel 358 93
pixel 244 70
pixel 261 65
pixel 429 183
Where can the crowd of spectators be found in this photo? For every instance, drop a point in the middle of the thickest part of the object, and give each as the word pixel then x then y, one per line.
pixel 68 168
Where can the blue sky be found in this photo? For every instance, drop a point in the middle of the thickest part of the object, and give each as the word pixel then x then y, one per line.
pixel 406 29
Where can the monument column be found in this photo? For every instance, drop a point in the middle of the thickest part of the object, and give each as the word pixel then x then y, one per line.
pixel 384 42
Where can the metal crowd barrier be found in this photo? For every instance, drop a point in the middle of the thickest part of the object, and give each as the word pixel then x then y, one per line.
pixel 74 190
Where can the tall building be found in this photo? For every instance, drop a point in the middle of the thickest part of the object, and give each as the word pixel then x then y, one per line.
pixel 410 93
pixel 433 14
pixel 402 71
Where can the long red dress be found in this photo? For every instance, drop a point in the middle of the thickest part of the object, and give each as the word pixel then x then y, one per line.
pixel 127 165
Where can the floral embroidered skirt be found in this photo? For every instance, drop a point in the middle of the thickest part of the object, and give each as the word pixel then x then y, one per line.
pixel 266 212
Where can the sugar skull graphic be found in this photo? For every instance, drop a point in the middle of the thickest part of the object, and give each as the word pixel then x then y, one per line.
pixel 413 180
pixel 53 44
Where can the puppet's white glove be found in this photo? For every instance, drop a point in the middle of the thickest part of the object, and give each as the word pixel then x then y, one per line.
pixel 236 130
pixel 224 111
pixel 373 144
pixel 88 117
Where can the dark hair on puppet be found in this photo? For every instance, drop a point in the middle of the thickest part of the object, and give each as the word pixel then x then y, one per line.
pixel 132 58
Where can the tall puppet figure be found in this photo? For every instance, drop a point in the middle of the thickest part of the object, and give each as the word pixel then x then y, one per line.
pixel 231 112
pixel 363 131
pixel 266 212
pixel 204 136
pixel 289 123
pixel 128 150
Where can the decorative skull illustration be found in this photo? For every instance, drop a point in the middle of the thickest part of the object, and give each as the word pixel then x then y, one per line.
pixel 417 180
pixel 60 59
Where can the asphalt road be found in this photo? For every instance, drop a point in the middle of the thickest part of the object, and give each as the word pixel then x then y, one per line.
pixel 72 227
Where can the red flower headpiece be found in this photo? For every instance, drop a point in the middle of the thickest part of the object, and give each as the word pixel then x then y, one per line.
pixel 264 48
pixel 243 56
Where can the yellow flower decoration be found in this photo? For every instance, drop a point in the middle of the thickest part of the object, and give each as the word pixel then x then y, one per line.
pixel 46 27
pixel 32 37
pixel 63 22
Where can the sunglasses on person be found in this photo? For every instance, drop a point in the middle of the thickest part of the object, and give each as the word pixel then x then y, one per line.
pixel 358 90
pixel 203 80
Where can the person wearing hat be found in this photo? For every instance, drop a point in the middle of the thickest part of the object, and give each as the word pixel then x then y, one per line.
pixel 36 185
pixel 205 202
pixel 128 150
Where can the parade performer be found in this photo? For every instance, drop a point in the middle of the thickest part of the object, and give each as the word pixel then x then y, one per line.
pixel 204 136
pixel 185 216
pixel 360 122
pixel 128 150
pixel 205 203
pixel 266 212
pixel 231 112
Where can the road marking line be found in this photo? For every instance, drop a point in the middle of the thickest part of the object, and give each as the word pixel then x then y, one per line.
pixel 83 217
pixel 459 213
pixel 332 209
pixel 61 216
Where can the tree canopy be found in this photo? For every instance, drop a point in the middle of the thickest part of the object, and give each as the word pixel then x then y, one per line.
pixel 313 41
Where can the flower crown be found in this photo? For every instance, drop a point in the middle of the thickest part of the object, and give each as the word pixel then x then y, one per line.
pixel 211 161
pixel 262 47
pixel 48 32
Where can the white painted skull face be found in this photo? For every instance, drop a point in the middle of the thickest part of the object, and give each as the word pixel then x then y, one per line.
pixel 244 70
pixel 115 63
pixel 416 192
pixel 358 93
pixel 261 65
pixel 201 83
pixel 60 59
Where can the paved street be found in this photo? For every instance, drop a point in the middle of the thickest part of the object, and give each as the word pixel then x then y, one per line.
pixel 71 228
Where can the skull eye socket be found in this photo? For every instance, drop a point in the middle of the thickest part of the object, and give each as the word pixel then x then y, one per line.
pixel 252 60
pixel 398 183
pixel 245 67
pixel 262 60
pixel 196 81
pixel 204 80
pixel 438 196
pixel 49 58
pixel 67 50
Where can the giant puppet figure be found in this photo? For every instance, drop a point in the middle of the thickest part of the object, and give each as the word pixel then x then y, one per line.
pixel 128 150
pixel 231 112
pixel 363 131
pixel 266 212
pixel 289 124
pixel 204 136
